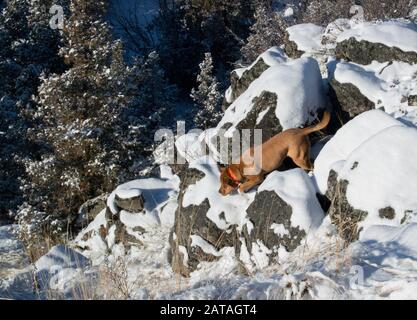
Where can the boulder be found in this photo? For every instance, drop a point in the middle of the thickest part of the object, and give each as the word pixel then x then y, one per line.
pixel 342 214
pixel 197 236
pixel 378 41
pixel 284 211
pixel 364 52
pixel 133 203
pixel 287 95
pixel 303 38
pixel 238 85
pixel 367 173
pixel 257 226
pixel 133 209
pixel 291 48
pixel 349 99
pixel 356 88
pixel 412 100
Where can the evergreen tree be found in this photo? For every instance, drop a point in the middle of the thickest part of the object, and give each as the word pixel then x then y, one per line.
pixel 23 58
pixel 80 114
pixel 207 96
pixel 13 26
pixel 267 31
pixel 151 106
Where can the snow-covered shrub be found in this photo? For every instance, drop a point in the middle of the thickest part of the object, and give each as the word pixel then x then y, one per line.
pixel 80 120
pixel 207 96
pixel 386 9
pixel 323 12
pixel 28 48
pixel 267 31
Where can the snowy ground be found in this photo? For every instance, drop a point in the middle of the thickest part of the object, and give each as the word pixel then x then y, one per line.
pixel 370 269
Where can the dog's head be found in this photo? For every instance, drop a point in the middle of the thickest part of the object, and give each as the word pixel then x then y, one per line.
pixel 228 179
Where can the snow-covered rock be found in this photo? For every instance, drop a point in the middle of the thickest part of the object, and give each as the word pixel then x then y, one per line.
pixel 132 209
pixel 361 88
pixel 303 38
pixel 205 221
pixel 260 225
pixel 287 95
pixel 285 209
pixel 379 41
pixel 368 171
pixel 241 78
pixel 89 211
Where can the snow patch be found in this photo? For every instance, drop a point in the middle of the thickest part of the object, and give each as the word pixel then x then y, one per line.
pixel 400 34
pixel 307 36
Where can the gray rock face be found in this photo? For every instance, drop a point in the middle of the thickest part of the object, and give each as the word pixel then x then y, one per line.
pixel 269 209
pixel 412 100
pixel 192 220
pixel 342 214
pixel 349 99
pixel 291 48
pixel 387 213
pixel 239 85
pixel 133 205
pixel 89 211
pixel 364 52
pixel 269 124
pixel 265 228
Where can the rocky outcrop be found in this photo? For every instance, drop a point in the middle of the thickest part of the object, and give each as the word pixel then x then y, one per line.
pixel 191 222
pixel 348 98
pixel 131 210
pixel 342 214
pixel 364 52
pixel 132 204
pixel 271 106
pixel 269 123
pixel 366 175
pixel 208 225
pixel 238 85
pixel 291 49
pixel 89 211
pixel 412 100
pixel 257 227
pixel 263 105
pixel 270 225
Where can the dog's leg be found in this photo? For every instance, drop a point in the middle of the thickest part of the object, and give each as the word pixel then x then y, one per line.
pixel 252 182
pixel 304 163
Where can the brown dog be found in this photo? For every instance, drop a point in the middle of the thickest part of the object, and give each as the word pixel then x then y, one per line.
pixel 293 143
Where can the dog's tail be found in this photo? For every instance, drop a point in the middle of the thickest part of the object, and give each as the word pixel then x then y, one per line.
pixel 319 126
